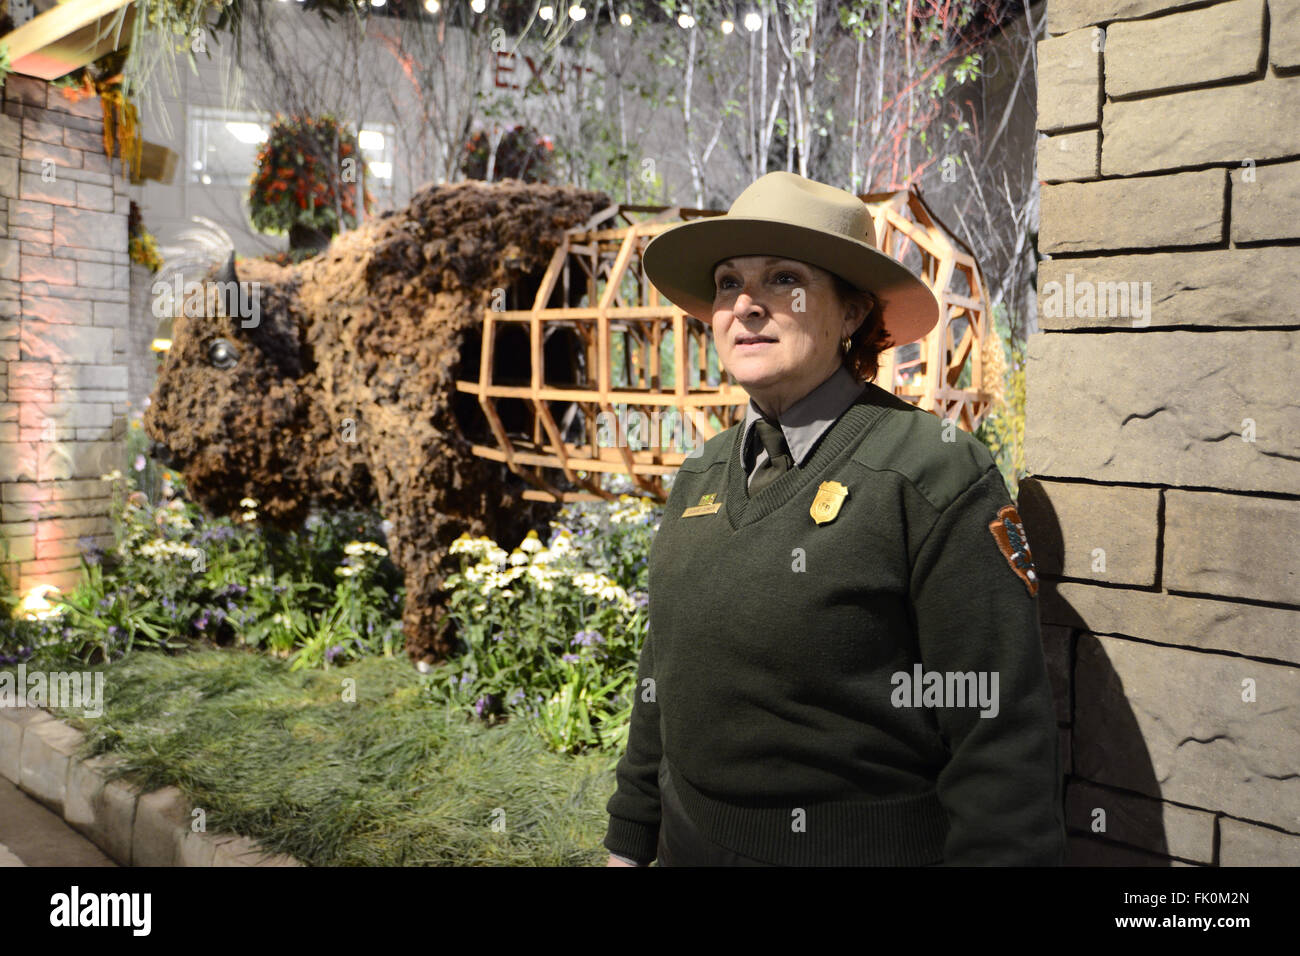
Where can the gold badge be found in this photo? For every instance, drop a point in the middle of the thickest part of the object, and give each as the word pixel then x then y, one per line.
pixel 707 506
pixel 830 496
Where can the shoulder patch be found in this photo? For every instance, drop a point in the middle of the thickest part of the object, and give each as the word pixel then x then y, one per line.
pixel 1009 533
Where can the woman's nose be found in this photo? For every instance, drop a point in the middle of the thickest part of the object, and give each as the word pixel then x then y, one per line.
pixel 744 304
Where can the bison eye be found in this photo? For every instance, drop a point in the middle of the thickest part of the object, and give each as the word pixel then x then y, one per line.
pixel 222 354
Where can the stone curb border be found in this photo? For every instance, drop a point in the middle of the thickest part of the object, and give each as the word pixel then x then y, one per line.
pixel 134 828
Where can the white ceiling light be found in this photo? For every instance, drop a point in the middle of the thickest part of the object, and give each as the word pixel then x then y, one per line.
pixel 249 133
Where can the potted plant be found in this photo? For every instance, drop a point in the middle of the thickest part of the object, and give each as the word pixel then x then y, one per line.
pixel 521 153
pixel 306 181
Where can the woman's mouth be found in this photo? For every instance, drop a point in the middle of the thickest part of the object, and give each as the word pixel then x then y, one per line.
pixel 751 341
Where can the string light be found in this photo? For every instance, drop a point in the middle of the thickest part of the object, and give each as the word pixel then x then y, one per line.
pixel 625 19
pixel 752 21
pixel 378 3
pixel 547 13
pixel 478 6
pixel 685 21
pixel 576 12
pixel 727 27
pixel 432 5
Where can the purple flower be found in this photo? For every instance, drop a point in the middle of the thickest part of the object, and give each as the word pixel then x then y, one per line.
pixel 201 621
pixel 640 598
pixel 570 658
pixel 586 639
pixel 88 547
pixel 333 652
pixel 113 631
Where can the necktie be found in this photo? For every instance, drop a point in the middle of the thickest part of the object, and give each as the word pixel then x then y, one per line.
pixel 779 459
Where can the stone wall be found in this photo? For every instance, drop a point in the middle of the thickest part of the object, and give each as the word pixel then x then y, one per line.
pixel 64 331
pixel 1163 427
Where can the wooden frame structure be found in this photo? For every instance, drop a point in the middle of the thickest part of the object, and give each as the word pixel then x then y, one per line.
pixel 70 35
pixel 636 350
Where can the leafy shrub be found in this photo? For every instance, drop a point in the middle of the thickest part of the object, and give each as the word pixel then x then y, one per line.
pixel 551 632
pixel 319 597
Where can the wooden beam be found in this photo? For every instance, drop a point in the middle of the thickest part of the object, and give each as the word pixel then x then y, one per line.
pixel 69 36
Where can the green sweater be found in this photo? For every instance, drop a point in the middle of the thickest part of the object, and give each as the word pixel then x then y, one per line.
pixel 780 650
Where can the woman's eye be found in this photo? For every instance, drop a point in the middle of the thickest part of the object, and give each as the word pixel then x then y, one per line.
pixel 725 282
pixel 787 275
pixel 223 355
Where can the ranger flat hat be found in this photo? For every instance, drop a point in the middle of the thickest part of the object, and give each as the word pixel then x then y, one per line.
pixel 785 215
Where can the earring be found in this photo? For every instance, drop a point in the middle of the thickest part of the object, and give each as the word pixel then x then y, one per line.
pixel 846 345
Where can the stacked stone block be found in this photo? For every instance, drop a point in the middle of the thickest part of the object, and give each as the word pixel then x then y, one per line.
pixel 64 308
pixel 1165 441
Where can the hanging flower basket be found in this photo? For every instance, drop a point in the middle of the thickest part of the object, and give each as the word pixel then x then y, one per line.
pixel 308 175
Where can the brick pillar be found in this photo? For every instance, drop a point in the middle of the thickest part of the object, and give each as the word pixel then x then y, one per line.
pixel 1163 425
pixel 64 286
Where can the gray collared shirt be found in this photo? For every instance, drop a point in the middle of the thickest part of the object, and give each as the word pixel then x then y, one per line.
pixel 804 422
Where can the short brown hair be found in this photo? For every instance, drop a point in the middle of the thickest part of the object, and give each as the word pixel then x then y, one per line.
pixel 863 358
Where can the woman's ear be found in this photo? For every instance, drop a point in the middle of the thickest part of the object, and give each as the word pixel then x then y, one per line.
pixel 857 310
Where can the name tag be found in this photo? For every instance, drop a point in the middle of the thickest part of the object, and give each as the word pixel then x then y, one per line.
pixel 707 506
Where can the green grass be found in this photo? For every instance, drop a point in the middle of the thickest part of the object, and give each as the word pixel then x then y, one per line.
pixel 388 780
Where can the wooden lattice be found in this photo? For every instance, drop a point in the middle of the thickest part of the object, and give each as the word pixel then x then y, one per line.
pixel 638 359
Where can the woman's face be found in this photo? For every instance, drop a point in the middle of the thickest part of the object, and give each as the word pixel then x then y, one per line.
pixel 777 326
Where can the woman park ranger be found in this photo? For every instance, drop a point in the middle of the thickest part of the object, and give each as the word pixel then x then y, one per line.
pixel 843 665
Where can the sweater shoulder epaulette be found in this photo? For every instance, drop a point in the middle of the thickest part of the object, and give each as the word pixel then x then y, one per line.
pixel 939 459
pixel 714 451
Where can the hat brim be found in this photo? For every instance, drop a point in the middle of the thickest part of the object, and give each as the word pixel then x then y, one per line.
pixel 680 263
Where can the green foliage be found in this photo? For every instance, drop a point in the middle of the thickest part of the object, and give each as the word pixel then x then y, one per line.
pixel 551 633
pixel 1003 430
pixel 386 779
pixel 174 575
pixel 141 244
